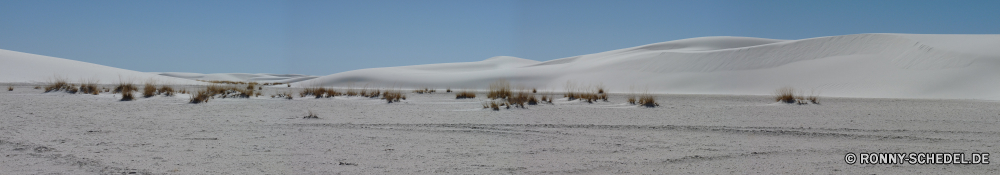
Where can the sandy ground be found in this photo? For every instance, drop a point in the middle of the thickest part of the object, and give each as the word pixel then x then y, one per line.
pixel 60 133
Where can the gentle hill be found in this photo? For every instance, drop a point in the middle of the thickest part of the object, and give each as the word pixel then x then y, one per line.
pixel 18 67
pixel 861 65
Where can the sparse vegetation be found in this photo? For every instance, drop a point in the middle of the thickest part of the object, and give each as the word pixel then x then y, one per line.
pixel 90 87
pixel 648 100
pixel 465 94
pixel 785 94
pixel 392 95
pixel 10 88
pixel 201 96
pixel 499 89
pixel 149 89
pixel 788 95
pixel 165 91
pixel 448 90
pixel 126 88
pixel 425 90
pixel 57 84
pixel 492 104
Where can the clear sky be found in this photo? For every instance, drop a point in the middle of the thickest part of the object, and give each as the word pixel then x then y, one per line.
pixel 326 37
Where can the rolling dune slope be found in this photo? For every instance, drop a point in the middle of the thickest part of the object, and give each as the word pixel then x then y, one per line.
pixel 860 65
pixel 19 67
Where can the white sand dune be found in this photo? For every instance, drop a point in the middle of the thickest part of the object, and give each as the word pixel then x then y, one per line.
pixel 861 65
pixel 263 78
pixel 19 67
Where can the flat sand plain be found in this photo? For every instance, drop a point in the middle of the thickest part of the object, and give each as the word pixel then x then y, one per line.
pixel 61 133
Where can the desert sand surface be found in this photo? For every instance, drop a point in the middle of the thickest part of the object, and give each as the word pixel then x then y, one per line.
pixel 877 93
pixel 61 133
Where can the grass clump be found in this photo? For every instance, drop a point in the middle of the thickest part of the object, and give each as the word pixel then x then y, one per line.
pixel 789 95
pixel 492 104
pixel 148 89
pixel 465 94
pixel 90 87
pixel 785 95
pixel 165 91
pixel 447 90
pixel 200 96
pixel 499 89
pixel 392 95
pixel 57 84
pixel 126 88
pixel 311 115
pixel 10 88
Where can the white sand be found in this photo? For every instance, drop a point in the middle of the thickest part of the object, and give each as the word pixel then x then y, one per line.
pixel 61 133
pixel 437 134
pixel 862 65
pixel 239 77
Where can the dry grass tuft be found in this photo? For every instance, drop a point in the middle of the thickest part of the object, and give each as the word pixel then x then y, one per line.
pixel 38 87
pixel 519 98
pixel 10 88
pixel 392 95
pixel 493 104
pixel 149 89
pixel 648 100
pixel 785 94
pixel 448 90
pixel 201 96
pixel 57 84
pixel 90 87
pixel 499 89
pixel 165 90
pixel 465 94
pixel 126 88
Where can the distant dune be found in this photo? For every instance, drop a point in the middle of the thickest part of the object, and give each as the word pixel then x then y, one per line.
pixel 263 78
pixel 18 67
pixel 861 65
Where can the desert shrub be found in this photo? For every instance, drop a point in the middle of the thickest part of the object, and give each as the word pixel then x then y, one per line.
pixel 533 90
pixel 785 94
pixel 90 87
pixel 72 89
pixel 519 98
pixel 126 88
pixel 465 94
pixel 149 89
pixel 38 87
pixel 10 88
pixel 499 89
pixel 165 90
pixel 532 100
pixel 448 90
pixel 648 100
pixel 392 95
pixel 492 104
pixel 201 96
pixel 56 84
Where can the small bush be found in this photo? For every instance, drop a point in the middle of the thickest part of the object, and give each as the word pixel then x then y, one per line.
pixel 392 95
pixel 492 104
pixel 785 94
pixel 465 94
pixel 201 96
pixel 10 88
pixel 499 89
pixel 165 91
pixel 90 87
pixel 126 88
pixel 648 100
pixel 448 90
pixel 149 89
pixel 56 84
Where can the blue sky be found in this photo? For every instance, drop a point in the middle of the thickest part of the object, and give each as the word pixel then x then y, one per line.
pixel 326 37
